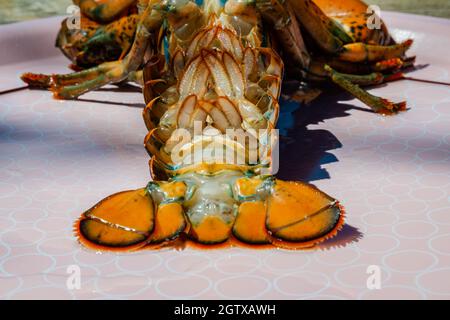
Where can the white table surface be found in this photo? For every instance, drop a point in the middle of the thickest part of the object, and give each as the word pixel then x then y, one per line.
pixel 57 158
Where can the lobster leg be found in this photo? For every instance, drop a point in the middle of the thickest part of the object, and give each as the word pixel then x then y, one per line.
pixel 43 81
pixel 361 52
pixel 109 72
pixel 333 39
pixel 377 104
pixel 384 66
pixel 325 31
pixel 287 29
pixel 366 75
pixel 75 84
pixel 373 78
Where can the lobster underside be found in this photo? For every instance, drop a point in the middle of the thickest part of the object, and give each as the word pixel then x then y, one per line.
pixel 211 112
pixel 211 76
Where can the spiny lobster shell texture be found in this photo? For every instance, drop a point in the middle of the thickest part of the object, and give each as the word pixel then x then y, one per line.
pixel 220 81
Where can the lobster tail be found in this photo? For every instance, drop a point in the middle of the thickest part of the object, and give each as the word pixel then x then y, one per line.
pixel 224 207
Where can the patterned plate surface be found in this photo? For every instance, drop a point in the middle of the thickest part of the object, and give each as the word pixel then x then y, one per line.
pixel 57 158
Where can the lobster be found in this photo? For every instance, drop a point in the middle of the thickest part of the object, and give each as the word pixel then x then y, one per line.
pixel 212 76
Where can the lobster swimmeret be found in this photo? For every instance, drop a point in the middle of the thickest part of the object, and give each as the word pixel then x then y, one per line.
pixel 212 77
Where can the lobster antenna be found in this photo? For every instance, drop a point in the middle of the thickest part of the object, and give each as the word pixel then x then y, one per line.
pixel 14 89
pixel 427 81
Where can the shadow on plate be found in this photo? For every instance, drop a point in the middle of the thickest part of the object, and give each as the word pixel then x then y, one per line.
pixel 304 151
pixel 347 235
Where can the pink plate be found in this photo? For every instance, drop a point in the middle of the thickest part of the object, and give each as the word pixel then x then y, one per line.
pixel 57 158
